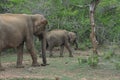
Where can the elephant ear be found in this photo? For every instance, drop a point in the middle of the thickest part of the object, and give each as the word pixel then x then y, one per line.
pixel 69 36
pixel 72 36
pixel 39 22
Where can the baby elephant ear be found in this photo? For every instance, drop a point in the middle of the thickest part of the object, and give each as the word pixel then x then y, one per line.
pixel 69 37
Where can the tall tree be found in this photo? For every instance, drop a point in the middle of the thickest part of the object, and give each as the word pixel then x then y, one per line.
pixel 92 7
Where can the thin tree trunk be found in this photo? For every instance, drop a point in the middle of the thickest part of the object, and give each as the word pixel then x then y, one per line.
pixel 92 34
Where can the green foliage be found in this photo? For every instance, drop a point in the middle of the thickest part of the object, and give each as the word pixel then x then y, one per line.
pixel 116 61
pixel 9 5
pixel 108 21
pixel 37 44
pixel 84 45
pixel 93 60
pixel 81 60
pixel 117 65
pixel 109 54
pixel 10 51
pixel 72 15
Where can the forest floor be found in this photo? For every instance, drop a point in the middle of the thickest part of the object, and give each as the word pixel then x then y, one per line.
pixel 64 68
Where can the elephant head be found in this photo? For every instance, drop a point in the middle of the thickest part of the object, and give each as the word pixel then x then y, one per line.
pixel 73 39
pixel 39 24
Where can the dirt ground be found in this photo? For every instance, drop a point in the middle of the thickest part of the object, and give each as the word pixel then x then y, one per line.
pixel 57 68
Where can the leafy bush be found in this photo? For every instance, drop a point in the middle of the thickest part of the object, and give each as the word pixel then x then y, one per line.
pixel 108 55
pixel 81 60
pixel 93 60
pixel 117 65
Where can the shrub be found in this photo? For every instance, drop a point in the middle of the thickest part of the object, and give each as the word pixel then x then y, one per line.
pixel 108 55
pixel 93 60
pixel 117 65
pixel 82 60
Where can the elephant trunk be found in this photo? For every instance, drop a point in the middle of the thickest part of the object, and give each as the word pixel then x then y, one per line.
pixel 44 49
pixel 47 44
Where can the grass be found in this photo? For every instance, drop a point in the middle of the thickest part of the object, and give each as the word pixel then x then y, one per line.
pixel 65 68
pixel 26 79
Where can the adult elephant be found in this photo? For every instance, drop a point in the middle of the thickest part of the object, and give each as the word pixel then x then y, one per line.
pixel 73 39
pixel 57 38
pixel 17 29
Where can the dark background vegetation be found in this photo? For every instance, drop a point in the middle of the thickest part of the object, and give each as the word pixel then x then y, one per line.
pixel 73 15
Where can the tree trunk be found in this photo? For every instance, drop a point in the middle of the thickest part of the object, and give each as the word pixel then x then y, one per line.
pixel 92 34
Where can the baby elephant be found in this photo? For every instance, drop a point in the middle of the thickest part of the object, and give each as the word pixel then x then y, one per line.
pixel 60 38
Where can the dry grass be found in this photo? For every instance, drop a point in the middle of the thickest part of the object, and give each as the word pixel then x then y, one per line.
pixel 65 68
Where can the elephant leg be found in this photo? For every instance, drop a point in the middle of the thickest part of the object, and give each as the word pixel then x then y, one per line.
pixel 50 48
pixel 61 50
pixel 1 68
pixel 20 56
pixel 67 45
pixel 50 52
pixel 30 48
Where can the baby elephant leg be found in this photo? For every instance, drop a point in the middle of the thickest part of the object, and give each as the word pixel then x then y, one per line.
pixel 61 50
pixel 67 45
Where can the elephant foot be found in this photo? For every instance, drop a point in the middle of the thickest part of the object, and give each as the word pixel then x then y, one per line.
pixel 35 64
pixel 2 69
pixel 44 64
pixel 19 66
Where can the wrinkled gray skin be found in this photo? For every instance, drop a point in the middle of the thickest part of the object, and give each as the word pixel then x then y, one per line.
pixel 17 29
pixel 57 38
pixel 73 39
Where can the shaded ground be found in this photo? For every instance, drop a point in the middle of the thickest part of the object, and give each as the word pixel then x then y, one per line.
pixel 65 68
